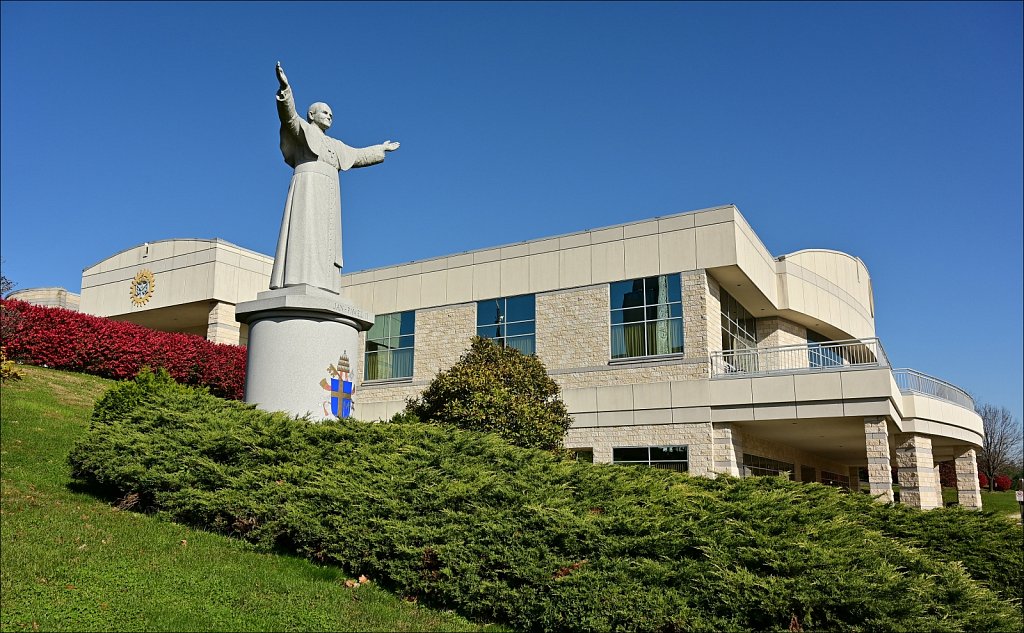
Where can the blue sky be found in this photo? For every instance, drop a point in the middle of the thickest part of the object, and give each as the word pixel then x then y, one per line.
pixel 890 131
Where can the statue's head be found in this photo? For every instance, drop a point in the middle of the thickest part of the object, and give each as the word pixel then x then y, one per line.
pixel 320 114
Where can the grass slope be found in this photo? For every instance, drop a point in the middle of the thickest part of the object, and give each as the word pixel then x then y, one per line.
pixel 71 562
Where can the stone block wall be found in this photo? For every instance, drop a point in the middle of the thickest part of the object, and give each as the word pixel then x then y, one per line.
pixel 713 312
pixel 442 336
pixel 696 436
pixel 573 327
pixel 728 449
pixel 222 326
pixel 876 437
pixel 776 332
pixel 630 374
pixel 968 488
pixel 917 472
pixel 700 326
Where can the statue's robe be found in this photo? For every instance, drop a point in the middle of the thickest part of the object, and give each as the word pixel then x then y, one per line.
pixel 309 245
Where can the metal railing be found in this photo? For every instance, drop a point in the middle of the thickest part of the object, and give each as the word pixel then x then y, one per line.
pixel 808 357
pixel 912 381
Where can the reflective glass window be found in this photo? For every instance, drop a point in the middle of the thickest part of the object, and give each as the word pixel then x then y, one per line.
pixel 389 346
pixel 646 316
pixel 509 321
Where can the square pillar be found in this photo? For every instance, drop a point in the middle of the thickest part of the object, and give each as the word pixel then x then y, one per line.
pixel 221 326
pixel 728 451
pixel 917 472
pixel 876 439
pixel 968 489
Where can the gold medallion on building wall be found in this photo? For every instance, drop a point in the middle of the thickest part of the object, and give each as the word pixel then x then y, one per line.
pixel 142 287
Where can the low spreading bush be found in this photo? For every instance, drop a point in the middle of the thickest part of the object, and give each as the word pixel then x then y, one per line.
pixel 467 521
pixel 1002 483
pixel 69 340
pixel 982 480
pixel 986 544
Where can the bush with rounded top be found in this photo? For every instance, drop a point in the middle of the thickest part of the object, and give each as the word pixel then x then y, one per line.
pixel 499 390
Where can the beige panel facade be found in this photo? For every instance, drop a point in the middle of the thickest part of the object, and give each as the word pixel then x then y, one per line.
pixel 192 286
pixel 48 297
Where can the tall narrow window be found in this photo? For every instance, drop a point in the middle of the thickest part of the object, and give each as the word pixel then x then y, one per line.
pixel 739 335
pixel 647 316
pixel 389 346
pixel 508 321
pixel 819 354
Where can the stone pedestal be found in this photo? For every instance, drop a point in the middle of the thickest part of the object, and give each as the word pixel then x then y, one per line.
pixel 300 338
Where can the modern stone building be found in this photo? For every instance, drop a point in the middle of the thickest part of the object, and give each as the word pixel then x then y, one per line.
pixel 180 285
pixel 679 342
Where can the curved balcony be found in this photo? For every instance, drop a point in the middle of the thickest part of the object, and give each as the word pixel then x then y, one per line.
pixel 912 381
pixel 831 356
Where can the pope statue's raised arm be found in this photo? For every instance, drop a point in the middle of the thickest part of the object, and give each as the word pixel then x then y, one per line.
pixel 309 246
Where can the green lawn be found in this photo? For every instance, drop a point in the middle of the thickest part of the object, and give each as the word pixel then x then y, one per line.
pixel 1002 502
pixel 71 562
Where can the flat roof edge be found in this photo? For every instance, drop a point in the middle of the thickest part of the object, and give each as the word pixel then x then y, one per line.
pixel 546 238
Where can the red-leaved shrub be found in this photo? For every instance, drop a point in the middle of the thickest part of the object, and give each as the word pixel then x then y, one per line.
pixel 64 339
pixel 1002 482
pixel 982 479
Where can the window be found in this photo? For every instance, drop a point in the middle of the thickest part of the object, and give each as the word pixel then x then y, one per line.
pixel 835 479
pixel 807 474
pixel 389 346
pixel 585 455
pixel 508 321
pixel 739 335
pixel 647 316
pixel 757 466
pixel 819 355
pixel 668 457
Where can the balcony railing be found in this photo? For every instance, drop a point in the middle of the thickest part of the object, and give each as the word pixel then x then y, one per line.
pixel 911 381
pixel 831 356
pixel 808 357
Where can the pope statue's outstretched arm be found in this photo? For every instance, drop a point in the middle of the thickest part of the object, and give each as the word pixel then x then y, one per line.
pixel 309 245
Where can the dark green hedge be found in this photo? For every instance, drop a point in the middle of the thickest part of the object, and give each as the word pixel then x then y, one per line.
pixel 466 521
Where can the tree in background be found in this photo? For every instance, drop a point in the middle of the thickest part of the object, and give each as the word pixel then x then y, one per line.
pixel 499 390
pixel 6 285
pixel 1001 449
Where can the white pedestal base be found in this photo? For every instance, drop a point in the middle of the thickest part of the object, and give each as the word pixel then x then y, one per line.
pixel 296 335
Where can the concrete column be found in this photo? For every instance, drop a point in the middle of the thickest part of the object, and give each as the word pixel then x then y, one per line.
pixel 968 489
pixel 221 324
pixel 876 438
pixel 917 471
pixel 728 449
